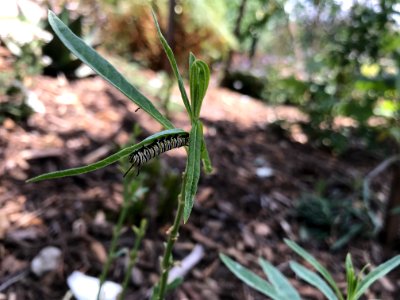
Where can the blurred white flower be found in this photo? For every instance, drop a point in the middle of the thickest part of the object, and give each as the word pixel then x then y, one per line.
pixel 20 24
pixel 85 287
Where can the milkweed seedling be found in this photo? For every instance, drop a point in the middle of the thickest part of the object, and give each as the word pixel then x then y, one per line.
pixel 157 143
pixel 278 287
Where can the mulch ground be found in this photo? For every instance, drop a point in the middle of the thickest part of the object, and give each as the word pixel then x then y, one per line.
pixel 237 211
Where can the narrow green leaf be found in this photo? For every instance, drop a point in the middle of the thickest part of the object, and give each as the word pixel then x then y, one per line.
pixel 251 279
pixel 192 168
pixel 161 134
pixel 377 273
pixel 193 86
pixel 192 59
pixel 349 265
pixel 199 79
pixel 174 284
pixel 281 284
pixel 108 160
pixel 361 273
pixel 313 279
pixel 174 65
pixel 102 67
pixel 322 270
pixel 155 292
pixel 204 79
pixel 205 158
pixel 86 169
pixel 350 277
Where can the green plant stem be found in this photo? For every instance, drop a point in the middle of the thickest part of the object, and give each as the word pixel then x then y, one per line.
pixel 111 252
pixel 133 256
pixel 172 238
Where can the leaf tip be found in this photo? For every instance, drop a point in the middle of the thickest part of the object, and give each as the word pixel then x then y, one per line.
pixel 185 219
pixel 153 13
pixel 50 13
pixel 33 179
pixel 208 170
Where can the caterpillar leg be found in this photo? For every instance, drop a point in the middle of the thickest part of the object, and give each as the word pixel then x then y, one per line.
pixel 130 168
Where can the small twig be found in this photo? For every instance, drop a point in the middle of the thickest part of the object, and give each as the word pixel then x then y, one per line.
pixel 366 187
pixel 13 280
pixel 68 295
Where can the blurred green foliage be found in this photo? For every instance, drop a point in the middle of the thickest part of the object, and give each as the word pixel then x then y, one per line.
pixel 350 68
pixel 13 98
pixel 336 221
pixel 198 25
pixel 21 41
pixel 257 15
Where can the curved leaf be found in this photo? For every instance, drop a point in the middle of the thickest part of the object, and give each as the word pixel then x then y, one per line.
pixel 174 65
pixel 281 284
pixel 251 279
pixel 321 269
pixel 192 167
pixel 192 59
pixel 199 79
pixel 313 279
pixel 377 273
pixel 102 67
pixel 108 160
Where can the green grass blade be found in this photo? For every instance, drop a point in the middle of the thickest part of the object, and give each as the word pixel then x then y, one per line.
pixel 106 161
pixel 174 65
pixel 102 67
pixel 321 269
pixel 192 168
pixel 281 284
pixel 252 280
pixel 313 279
pixel 377 273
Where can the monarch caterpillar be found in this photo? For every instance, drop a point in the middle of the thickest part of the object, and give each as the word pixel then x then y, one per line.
pixel 141 156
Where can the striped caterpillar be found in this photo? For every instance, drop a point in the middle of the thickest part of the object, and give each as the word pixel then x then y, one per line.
pixel 141 156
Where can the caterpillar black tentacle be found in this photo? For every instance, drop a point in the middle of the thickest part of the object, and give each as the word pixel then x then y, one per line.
pixel 141 156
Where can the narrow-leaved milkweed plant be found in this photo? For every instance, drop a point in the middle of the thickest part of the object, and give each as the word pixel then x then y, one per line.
pixel 278 287
pixel 171 137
